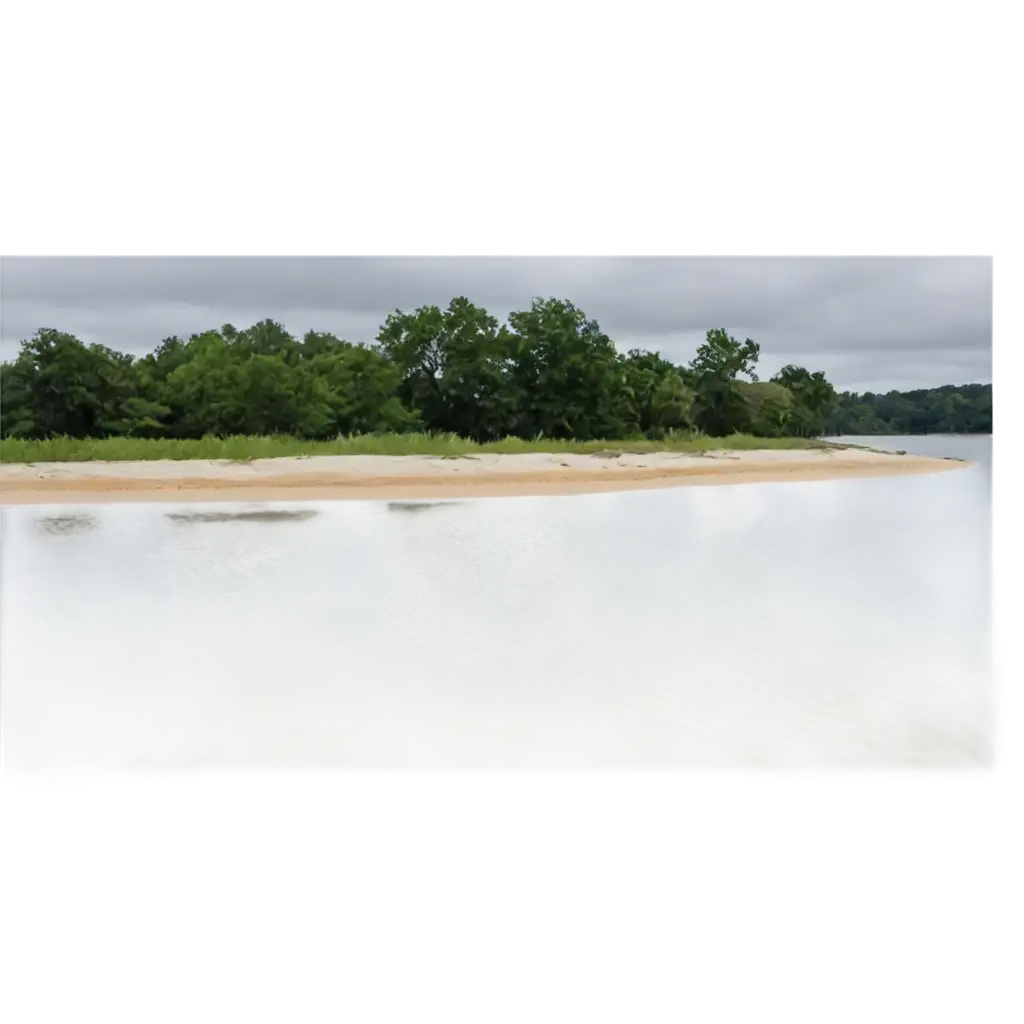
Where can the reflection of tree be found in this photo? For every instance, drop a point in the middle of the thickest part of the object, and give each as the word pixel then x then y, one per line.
pixel 66 522
pixel 48 565
pixel 244 544
pixel 60 539
pixel 438 571
pixel 472 566
pixel 253 516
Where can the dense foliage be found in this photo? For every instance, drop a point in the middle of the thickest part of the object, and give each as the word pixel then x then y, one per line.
pixel 549 372
pixel 966 409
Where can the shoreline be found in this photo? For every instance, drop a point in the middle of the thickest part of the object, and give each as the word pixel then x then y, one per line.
pixel 402 477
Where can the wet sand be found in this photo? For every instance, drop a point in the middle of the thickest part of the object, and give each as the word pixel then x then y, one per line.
pixel 363 477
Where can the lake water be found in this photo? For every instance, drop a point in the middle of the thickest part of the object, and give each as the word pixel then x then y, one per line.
pixel 812 624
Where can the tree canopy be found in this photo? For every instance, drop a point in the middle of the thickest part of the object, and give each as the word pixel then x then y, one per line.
pixel 951 409
pixel 550 371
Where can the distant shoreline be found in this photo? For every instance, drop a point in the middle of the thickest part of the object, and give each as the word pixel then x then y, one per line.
pixel 373 477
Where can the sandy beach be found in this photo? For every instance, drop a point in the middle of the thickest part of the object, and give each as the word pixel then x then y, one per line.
pixel 420 476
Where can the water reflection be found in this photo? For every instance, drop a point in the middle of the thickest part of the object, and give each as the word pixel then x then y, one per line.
pixel 473 566
pixel 65 524
pixel 71 531
pixel 787 625
pixel 436 550
pixel 248 545
pixel 252 516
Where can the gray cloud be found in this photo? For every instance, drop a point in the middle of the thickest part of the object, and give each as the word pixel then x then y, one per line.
pixel 869 323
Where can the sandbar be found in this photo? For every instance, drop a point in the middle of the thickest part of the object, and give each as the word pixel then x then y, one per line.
pixel 389 477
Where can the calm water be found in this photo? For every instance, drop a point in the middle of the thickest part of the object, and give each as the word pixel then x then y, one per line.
pixel 837 623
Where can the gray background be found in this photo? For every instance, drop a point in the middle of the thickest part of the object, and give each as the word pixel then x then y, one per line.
pixel 303 133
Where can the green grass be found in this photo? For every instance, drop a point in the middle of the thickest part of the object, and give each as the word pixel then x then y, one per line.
pixel 123 449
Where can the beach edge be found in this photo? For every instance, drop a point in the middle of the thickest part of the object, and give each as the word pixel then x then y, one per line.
pixel 340 478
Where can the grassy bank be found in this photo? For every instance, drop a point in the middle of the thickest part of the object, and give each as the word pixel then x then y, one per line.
pixel 124 449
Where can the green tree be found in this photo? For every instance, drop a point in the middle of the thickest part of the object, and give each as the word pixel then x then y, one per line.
pixel 767 408
pixel 720 407
pixel 566 378
pixel 171 353
pixel 58 385
pixel 17 407
pixel 455 368
pixel 266 338
pixel 318 343
pixel 853 415
pixel 656 396
pixel 952 408
pixel 206 392
pixel 814 399
pixel 283 399
pixel 671 405
pixel 360 385
pixel 550 371
pixel 255 381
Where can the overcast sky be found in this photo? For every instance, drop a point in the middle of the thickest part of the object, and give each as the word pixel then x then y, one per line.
pixel 869 323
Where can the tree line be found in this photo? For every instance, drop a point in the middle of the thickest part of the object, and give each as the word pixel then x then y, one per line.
pixel 963 409
pixel 548 372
